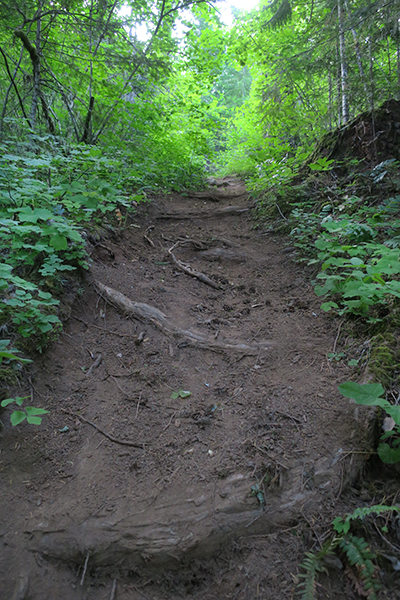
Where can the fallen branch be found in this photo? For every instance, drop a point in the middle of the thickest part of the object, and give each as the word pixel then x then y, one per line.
pixel 94 365
pixel 151 315
pixel 192 272
pixel 146 237
pixel 107 435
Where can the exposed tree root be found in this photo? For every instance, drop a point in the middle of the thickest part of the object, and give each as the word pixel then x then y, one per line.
pixel 151 315
pixel 219 212
pixel 215 195
pixel 107 435
pixel 189 270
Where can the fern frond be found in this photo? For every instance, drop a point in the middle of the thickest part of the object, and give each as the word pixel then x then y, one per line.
pixel 342 524
pixel 359 555
pixel 282 10
pixel 312 565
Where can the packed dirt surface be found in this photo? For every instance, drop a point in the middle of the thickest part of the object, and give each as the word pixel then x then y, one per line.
pixel 195 428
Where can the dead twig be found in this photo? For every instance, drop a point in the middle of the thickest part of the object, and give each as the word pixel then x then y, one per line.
pixel 119 387
pixel 148 240
pixel 85 568
pixel 337 336
pixel 113 589
pixel 94 365
pixel 107 435
pixel 169 422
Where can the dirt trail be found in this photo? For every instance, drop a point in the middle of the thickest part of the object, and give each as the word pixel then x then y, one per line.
pixel 187 496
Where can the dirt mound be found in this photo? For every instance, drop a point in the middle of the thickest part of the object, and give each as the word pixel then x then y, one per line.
pixel 193 429
pixel 371 137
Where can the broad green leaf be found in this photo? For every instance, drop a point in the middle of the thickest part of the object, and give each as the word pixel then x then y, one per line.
pixel 394 412
pixel 59 242
pixel 388 455
pixel 32 410
pixel 17 417
pixel 34 420
pixel 367 393
pixel 326 306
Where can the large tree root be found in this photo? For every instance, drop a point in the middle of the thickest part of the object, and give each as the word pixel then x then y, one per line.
pixel 151 315
pixel 215 195
pixel 220 212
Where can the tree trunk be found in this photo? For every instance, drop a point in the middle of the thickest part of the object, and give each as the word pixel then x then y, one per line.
pixel 86 137
pixel 398 60
pixel 343 67
pixel 36 74
pixel 358 55
pixel 12 85
pixel 372 107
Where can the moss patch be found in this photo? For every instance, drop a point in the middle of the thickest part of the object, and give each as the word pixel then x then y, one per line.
pixel 384 360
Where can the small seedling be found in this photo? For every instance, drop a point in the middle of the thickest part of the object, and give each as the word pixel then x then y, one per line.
pixel 337 356
pixel 31 414
pixel 180 394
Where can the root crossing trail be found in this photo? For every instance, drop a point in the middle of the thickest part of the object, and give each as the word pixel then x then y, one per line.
pixel 195 424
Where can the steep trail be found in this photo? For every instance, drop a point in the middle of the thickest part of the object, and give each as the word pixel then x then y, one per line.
pixel 131 477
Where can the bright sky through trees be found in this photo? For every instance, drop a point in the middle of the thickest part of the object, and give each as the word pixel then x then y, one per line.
pixel 226 6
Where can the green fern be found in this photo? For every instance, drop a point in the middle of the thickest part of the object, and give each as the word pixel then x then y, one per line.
pixel 312 565
pixel 359 555
pixel 342 524
pixel 355 549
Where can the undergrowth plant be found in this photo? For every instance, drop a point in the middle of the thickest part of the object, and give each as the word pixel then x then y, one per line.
pixel 357 247
pixel 30 413
pixel 9 358
pixel 353 551
pixel 370 394
pixel 49 199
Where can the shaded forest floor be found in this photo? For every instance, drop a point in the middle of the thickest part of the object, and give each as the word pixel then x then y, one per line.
pixel 208 495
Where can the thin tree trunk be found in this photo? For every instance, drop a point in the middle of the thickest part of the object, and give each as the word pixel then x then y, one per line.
pixel 343 66
pixel 398 59
pixel 109 113
pixel 36 75
pixel 339 93
pixel 12 85
pixel 86 130
pixel 330 100
pixel 358 54
pixel 372 107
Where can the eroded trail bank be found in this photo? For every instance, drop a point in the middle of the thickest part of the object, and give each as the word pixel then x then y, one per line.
pixel 194 423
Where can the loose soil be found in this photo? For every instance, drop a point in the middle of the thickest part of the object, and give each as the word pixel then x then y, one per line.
pixel 133 488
